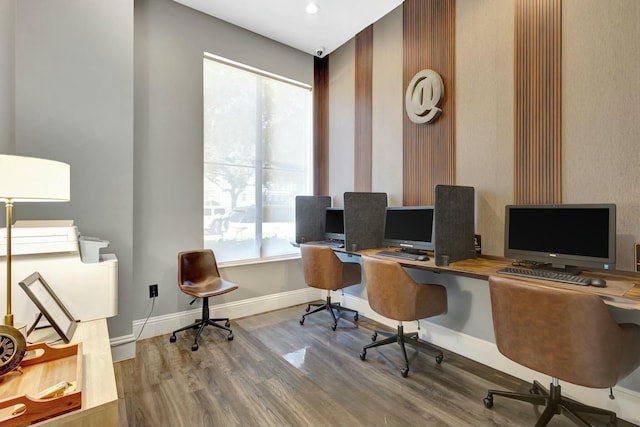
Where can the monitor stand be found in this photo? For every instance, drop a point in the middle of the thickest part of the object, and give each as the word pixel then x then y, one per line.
pixel 567 269
pixel 413 251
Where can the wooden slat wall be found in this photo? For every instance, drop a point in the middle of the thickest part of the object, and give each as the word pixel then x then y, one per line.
pixel 537 103
pixel 363 109
pixel 320 126
pixel 429 149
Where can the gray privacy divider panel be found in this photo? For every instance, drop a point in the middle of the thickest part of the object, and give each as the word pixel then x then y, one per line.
pixel 455 229
pixel 364 219
pixel 310 217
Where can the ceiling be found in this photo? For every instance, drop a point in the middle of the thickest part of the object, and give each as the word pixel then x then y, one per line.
pixel 286 21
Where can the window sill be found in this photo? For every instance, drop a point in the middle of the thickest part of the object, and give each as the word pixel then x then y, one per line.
pixel 264 260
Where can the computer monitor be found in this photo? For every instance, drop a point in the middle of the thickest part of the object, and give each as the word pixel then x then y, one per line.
pixel 563 237
pixel 334 224
pixel 411 228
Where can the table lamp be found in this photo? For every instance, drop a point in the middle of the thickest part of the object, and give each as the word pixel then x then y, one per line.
pixel 29 179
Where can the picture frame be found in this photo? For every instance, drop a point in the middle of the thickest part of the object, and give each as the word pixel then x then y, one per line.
pixel 50 306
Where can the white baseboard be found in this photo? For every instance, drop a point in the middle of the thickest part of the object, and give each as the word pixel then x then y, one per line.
pixel 124 347
pixel 625 404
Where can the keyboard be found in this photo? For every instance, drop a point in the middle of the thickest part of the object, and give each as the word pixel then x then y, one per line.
pixel 403 255
pixel 546 275
pixel 330 243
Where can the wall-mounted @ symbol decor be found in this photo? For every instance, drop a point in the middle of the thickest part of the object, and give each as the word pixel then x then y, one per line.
pixel 424 95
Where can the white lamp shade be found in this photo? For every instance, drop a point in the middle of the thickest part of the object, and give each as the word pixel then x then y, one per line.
pixel 30 179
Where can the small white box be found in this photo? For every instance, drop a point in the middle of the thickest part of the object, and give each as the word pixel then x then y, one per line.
pixel 90 248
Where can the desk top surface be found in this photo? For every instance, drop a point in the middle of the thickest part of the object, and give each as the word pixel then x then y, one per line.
pixel 623 288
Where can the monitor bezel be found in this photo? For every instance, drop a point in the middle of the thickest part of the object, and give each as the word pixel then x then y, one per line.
pixel 564 261
pixel 410 245
pixel 329 235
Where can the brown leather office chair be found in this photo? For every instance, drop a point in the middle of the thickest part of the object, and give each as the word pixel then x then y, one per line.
pixel 324 270
pixel 199 277
pixel 566 334
pixel 394 294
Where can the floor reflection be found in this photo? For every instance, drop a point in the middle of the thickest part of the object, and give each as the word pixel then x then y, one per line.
pixel 296 358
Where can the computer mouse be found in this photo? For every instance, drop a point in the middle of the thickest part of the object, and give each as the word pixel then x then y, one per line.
pixel 598 283
pixel 423 258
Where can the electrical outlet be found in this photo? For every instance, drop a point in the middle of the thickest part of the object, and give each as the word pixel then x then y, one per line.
pixel 153 291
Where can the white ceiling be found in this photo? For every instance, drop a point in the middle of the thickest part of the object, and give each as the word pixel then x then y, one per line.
pixel 286 21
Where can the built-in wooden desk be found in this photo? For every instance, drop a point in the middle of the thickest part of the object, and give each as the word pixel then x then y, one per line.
pixel 99 393
pixel 623 288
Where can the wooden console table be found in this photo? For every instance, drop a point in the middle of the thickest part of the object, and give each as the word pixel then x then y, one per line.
pixel 99 393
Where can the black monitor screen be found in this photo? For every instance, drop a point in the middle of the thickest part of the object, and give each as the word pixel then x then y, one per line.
pixel 562 235
pixel 410 227
pixel 334 224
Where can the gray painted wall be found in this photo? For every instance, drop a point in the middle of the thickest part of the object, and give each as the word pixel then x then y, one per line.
pixel 170 42
pixel 74 103
pixel 7 77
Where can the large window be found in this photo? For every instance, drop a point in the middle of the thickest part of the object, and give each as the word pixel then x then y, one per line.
pixel 257 158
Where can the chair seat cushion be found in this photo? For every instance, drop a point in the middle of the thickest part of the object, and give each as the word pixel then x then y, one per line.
pixel 208 288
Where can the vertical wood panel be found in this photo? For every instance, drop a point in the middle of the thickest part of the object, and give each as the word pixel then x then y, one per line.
pixel 320 126
pixel 429 149
pixel 363 109
pixel 537 103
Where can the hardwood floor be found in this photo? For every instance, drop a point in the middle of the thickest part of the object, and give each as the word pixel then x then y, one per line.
pixel 278 373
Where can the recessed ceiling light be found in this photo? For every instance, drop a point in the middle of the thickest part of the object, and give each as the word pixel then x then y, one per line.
pixel 311 8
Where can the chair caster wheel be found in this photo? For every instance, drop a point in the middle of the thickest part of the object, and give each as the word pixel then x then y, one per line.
pixel 404 372
pixel 488 402
pixel 227 323
pixel 334 326
pixel 363 355
pixel 439 359
pixel 230 337
pixel 172 338
pixel 374 336
pixel 302 321
pixel 356 317
pixel 194 347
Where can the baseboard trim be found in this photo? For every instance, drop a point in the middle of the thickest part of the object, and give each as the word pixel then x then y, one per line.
pixel 123 347
pixel 482 351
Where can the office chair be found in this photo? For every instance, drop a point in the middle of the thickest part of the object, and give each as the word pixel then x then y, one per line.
pixel 199 277
pixel 324 270
pixel 566 334
pixel 394 294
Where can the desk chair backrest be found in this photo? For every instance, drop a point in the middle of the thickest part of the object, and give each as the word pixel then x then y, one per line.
pixel 566 334
pixel 324 270
pixel 196 268
pixel 394 294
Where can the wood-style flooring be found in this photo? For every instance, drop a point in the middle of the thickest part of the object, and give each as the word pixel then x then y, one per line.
pixel 276 372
